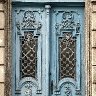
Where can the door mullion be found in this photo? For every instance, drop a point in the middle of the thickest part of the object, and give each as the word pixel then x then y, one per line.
pixel 47 18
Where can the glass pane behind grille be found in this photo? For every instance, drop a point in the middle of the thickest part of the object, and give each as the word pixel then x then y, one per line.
pixel 28 55
pixel 67 59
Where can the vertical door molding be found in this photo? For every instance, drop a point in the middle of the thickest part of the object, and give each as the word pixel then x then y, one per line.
pixel 47 40
pixel 8 48
pixel 88 49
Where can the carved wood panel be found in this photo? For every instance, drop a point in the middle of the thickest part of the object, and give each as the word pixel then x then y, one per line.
pixel 47 50
pixel 27 50
pixel 67 29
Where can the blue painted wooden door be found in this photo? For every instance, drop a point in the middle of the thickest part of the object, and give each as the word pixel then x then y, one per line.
pixel 47 51
pixel 66 51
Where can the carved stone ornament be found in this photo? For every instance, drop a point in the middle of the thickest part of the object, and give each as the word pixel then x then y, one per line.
pixel 68 22
pixel 29 22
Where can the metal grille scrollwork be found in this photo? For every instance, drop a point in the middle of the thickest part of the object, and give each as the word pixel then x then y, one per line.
pixel 28 55
pixel 67 60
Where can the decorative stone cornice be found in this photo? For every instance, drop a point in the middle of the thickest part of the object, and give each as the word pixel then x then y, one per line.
pixel 3 1
pixel 93 1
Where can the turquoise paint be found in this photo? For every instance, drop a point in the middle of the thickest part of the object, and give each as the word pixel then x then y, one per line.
pixel 58 85
pixel 48 83
pixel 48 0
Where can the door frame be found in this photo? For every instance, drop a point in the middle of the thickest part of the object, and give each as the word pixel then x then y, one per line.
pixel 8 49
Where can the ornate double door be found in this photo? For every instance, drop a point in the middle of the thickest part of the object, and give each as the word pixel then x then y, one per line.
pixel 48 51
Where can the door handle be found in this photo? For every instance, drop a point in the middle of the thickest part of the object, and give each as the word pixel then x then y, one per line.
pixel 52 87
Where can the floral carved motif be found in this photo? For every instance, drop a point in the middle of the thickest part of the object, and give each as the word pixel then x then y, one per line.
pixel 29 22
pixel 68 22
pixel 68 91
pixel 28 91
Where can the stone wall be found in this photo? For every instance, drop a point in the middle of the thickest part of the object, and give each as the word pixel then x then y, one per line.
pixel 93 44
pixel 2 48
pixel 91 66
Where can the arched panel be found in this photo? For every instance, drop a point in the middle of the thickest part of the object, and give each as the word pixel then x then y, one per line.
pixel 67 29
pixel 27 35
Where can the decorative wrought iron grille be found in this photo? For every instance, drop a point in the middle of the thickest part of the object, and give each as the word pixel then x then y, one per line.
pixel 28 56
pixel 67 60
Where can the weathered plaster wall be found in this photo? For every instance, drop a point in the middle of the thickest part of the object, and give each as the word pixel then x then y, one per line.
pixel 2 48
